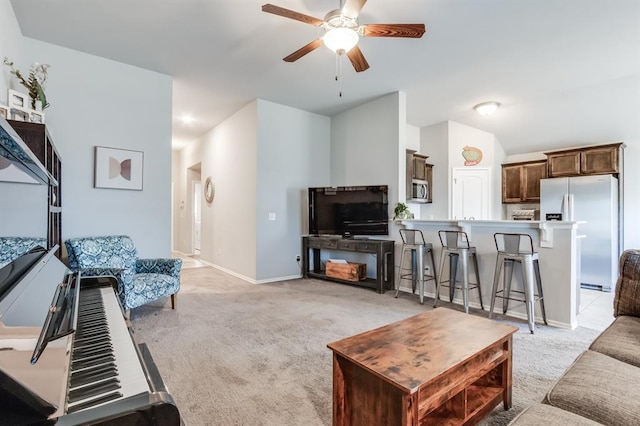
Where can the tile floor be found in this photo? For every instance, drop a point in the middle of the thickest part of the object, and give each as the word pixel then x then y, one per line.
pixel 596 309
pixel 192 261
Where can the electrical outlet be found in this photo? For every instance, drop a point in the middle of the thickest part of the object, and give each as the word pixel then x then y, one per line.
pixel 297 258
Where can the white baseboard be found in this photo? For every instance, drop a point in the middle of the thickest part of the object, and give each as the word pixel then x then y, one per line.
pixel 518 315
pixel 247 279
pixel 273 280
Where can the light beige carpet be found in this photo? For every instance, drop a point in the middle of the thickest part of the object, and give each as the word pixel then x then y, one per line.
pixel 235 353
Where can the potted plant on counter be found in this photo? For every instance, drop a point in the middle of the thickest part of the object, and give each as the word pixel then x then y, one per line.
pixel 402 212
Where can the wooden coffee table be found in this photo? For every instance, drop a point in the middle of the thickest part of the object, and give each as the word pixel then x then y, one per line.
pixel 442 367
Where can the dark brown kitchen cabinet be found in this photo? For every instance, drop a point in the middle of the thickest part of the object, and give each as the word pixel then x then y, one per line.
pixel 521 181
pixel 599 160
pixel 419 178
pixel 596 160
pixel 511 183
pixel 419 167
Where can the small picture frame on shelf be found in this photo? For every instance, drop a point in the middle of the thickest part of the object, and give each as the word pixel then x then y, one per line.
pixel 18 99
pixel 36 117
pixel 18 114
pixel 4 112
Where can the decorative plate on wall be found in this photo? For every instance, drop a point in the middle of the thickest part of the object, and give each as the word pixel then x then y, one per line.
pixel 472 155
pixel 209 190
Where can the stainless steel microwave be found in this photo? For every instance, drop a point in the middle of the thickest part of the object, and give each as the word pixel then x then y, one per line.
pixel 420 191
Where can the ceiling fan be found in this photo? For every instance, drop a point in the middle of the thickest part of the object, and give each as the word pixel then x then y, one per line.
pixel 342 31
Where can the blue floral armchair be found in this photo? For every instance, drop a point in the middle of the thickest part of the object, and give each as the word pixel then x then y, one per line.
pixel 140 281
pixel 13 247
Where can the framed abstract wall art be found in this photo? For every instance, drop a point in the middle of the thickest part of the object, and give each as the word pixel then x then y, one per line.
pixel 118 168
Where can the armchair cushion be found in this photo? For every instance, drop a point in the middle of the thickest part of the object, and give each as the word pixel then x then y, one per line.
pixel 13 247
pixel 148 287
pixel 140 281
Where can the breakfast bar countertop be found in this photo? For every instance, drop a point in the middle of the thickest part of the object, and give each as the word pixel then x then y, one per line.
pixel 558 247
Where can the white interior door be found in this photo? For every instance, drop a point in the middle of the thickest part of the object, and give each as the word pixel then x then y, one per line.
pixel 471 198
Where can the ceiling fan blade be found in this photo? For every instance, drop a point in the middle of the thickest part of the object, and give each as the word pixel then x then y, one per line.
pixel 281 11
pixel 357 59
pixel 352 8
pixel 303 50
pixel 393 30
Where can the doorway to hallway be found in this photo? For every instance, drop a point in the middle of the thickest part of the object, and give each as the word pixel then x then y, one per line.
pixel 193 215
pixel 197 216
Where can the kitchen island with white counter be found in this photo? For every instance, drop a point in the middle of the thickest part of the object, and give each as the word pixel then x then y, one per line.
pixel 558 247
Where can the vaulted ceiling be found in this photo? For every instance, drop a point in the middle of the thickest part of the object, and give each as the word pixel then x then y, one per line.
pixel 567 72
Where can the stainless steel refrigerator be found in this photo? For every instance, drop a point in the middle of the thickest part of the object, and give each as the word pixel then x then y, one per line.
pixel 594 200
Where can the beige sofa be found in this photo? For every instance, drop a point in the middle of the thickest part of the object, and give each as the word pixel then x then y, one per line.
pixel 602 386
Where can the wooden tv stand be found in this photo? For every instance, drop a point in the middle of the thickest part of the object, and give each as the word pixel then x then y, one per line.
pixel 384 250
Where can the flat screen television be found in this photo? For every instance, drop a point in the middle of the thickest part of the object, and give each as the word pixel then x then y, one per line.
pixel 349 210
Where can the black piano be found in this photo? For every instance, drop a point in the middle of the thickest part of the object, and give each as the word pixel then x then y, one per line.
pixel 67 351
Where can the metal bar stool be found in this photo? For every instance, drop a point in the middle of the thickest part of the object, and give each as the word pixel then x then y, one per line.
pixel 510 250
pixel 456 245
pixel 413 243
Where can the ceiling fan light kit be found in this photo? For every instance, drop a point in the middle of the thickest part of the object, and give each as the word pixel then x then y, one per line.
pixel 342 31
pixel 340 40
pixel 487 108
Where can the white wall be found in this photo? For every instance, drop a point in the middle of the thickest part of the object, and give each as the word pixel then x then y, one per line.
pixel 434 142
pixel 493 155
pixel 176 206
pixel 443 143
pixel 23 207
pixel 367 142
pixel 631 194
pixel 94 102
pixel 228 155
pixel 11 47
pixel 261 160
pixel 413 138
pixel 99 102
pixel 293 154
pixel 188 157
pixel 412 143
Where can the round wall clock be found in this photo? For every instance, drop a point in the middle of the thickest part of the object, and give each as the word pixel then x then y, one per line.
pixel 209 190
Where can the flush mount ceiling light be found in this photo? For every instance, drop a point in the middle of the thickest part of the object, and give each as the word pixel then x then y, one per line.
pixel 187 119
pixel 487 108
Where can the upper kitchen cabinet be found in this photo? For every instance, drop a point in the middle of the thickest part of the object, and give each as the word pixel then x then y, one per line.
pixel 596 160
pixel 521 181
pixel 419 167
pixel 419 178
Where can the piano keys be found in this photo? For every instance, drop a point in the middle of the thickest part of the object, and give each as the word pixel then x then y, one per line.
pixel 90 369
pixel 95 351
